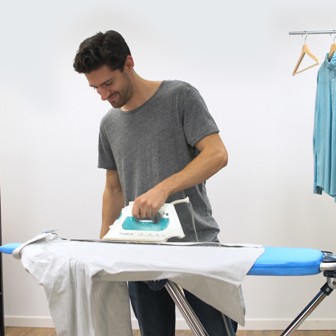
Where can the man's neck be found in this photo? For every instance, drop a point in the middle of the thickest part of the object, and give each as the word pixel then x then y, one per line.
pixel 143 90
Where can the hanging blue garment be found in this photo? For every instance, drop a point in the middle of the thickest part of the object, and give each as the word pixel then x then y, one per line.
pixel 325 129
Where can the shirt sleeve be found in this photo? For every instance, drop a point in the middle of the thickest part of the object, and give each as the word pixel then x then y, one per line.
pixel 197 120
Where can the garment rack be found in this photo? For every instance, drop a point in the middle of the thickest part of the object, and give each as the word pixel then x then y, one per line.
pixel 306 50
pixel 2 316
pixel 312 32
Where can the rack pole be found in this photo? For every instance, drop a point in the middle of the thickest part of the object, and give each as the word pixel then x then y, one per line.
pixel 312 32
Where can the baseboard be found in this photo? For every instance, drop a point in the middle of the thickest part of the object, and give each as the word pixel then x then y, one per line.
pixel 29 321
pixel 282 324
pixel 251 324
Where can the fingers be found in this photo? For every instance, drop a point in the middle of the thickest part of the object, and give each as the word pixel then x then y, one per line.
pixel 145 208
pixel 141 210
pixel 148 204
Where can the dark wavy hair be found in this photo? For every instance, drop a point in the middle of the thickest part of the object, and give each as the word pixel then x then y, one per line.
pixel 107 48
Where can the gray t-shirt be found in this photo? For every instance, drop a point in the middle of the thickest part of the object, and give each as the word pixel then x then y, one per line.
pixel 156 140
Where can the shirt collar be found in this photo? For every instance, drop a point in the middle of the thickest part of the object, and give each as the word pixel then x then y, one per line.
pixel 332 63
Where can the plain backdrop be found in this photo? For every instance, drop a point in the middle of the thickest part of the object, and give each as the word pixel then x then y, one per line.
pixel 240 56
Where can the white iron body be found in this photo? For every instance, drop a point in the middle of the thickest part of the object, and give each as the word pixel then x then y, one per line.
pixel 128 228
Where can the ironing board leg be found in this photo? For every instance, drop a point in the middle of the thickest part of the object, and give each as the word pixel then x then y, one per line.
pixel 189 315
pixel 323 293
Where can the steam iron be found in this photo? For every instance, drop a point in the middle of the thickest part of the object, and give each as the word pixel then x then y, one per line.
pixel 165 226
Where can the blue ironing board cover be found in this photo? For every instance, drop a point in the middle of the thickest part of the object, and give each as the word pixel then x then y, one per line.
pixel 288 261
pixel 9 248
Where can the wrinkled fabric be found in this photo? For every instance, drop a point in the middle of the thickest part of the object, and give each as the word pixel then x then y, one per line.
pixel 79 303
pixel 85 282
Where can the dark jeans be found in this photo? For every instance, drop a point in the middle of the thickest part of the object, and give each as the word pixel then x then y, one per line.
pixel 155 311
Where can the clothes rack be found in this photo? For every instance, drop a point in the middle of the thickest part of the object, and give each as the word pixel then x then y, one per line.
pixel 312 32
pixel 306 50
pixel 2 318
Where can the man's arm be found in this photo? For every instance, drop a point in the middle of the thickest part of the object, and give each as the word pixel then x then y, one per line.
pixel 212 157
pixel 113 201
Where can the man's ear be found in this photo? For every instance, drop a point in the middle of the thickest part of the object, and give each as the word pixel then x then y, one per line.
pixel 129 62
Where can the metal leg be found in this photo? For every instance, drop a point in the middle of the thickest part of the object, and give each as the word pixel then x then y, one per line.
pixel 323 293
pixel 189 315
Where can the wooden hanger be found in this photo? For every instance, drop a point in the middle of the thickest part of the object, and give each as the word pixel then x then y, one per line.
pixel 305 51
pixel 332 49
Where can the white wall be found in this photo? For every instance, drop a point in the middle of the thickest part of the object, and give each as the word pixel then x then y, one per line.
pixel 240 56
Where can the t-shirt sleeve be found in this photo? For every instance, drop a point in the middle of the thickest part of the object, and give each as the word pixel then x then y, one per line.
pixel 197 121
pixel 105 154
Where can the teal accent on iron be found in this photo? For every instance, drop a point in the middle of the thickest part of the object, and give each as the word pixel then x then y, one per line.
pixel 130 223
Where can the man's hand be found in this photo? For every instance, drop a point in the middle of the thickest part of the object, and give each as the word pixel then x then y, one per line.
pixel 148 204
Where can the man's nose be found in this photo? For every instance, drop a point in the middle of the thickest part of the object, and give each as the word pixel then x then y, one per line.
pixel 104 93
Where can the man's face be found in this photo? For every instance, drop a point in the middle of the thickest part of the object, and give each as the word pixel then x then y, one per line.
pixel 113 86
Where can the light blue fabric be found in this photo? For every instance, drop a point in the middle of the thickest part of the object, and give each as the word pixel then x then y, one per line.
pixel 325 129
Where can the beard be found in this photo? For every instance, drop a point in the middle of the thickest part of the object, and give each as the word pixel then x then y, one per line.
pixel 120 98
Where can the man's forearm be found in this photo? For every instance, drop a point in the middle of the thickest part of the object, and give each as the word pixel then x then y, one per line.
pixel 197 171
pixel 113 202
pixel 212 157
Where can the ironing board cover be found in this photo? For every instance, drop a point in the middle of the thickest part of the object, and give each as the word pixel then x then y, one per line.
pixel 287 261
pixel 275 261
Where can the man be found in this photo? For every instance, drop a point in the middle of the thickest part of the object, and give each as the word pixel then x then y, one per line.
pixel 158 143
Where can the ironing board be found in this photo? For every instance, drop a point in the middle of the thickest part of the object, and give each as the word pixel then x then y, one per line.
pixel 275 261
